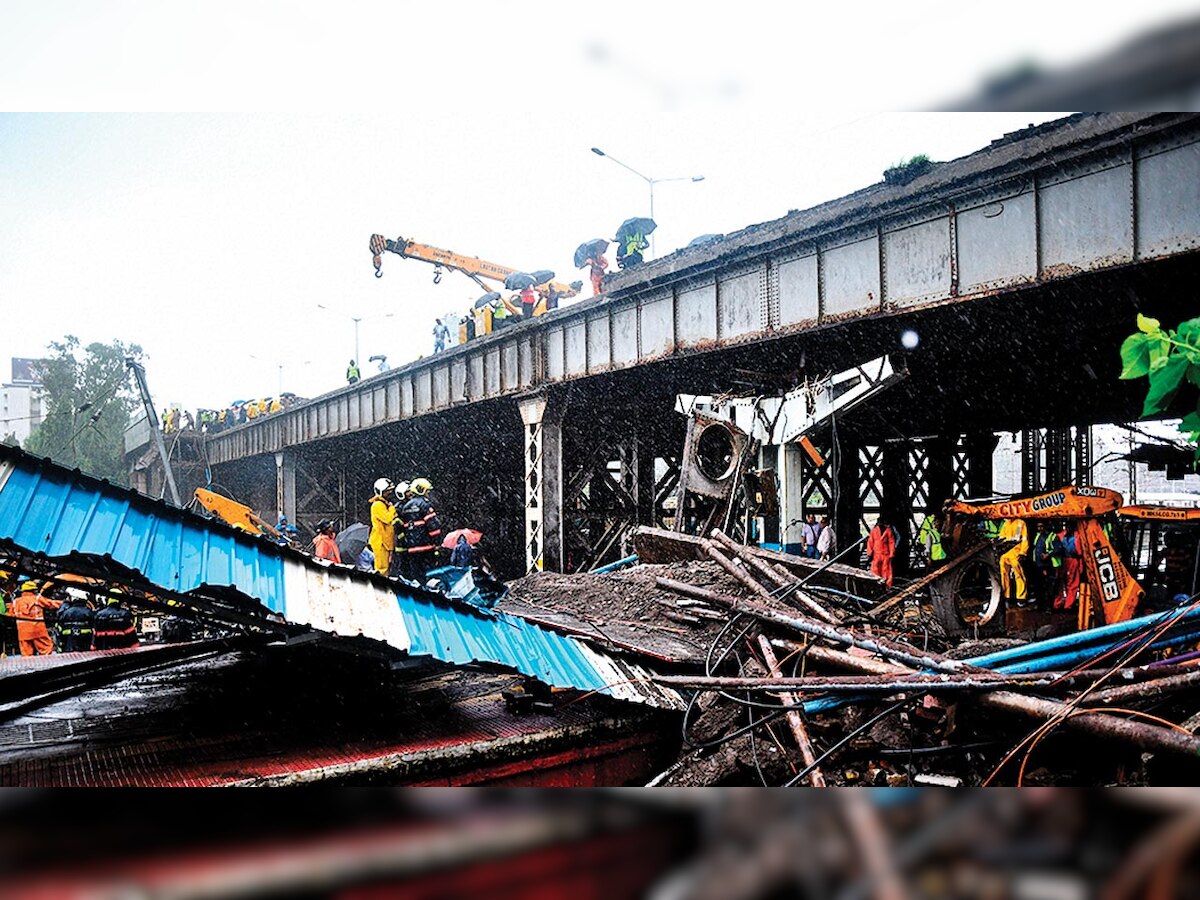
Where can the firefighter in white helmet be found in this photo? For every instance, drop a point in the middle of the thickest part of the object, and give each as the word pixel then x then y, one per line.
pixel 383 525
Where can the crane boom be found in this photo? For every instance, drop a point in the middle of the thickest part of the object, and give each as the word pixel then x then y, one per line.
pixel 472 266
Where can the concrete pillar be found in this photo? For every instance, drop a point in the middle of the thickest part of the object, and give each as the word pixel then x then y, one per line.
pixel 285 485
pixel 543 450
pixel 790 462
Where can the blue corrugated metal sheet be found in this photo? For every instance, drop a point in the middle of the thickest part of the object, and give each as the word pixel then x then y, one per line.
pixel 47 509
pixel 50 510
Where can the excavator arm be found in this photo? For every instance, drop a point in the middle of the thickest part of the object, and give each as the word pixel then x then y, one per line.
pixel 472 266
pixel 236 514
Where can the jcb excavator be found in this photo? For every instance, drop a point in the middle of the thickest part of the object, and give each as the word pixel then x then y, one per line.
pixel 968 598
pixel 474 268
pixel 1161 547
pixel 236 514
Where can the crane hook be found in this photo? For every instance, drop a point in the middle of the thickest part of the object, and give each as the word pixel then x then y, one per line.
pixel 437 275
pixel 379 273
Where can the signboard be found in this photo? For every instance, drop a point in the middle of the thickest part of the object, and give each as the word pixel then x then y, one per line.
pixel 25 371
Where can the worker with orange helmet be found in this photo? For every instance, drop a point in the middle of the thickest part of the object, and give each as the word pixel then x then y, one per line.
pixel 29 608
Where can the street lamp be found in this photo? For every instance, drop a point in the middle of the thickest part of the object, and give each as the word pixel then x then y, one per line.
pixel 650 181
pixel 356 320
pixel 278 365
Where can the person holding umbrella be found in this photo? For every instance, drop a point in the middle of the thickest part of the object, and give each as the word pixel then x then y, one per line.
pixel 591 254
pixel 631 241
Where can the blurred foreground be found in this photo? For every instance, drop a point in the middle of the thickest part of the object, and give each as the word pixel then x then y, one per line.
pixel 669 844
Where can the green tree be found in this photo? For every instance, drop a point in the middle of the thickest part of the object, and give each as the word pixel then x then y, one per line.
pixel 1170 358
pixel 89 396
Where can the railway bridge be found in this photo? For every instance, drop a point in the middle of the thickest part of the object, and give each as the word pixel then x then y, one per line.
pixel 1019 268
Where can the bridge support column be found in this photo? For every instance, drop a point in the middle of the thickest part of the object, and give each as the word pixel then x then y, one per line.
pixel 790 464
pixel 285 485
pixel 543 449
pixel 847 498
pixel 979 448
pixel 896 502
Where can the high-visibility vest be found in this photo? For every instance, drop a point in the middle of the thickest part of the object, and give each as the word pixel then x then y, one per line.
pixel 352 372
pixel 929 534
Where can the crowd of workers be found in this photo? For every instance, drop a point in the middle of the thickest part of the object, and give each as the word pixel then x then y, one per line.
pixel 212 421
pixel 29 608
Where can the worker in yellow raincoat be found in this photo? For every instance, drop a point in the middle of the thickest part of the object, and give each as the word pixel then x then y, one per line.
pixel 1012 570
pixel 383 525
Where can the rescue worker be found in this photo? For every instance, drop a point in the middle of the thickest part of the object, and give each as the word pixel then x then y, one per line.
pixel 1072 569
pixel 75 625
pixel 399 566
pixel 114 626
pixel 422 530
pixel 598 265
pixel 383 525
pixel 629 250
pixel 324 544
pixel 529 300
pixel 29 607
pixel 1047 559
pixel 881 549
pixel 502 313
pixel 352 373
pixel 1012 569
pixel 930 538
pixel 8 624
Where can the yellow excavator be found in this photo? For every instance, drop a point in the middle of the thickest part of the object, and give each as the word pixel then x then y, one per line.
pixel 472 266
pixel 236 514
pixel 969 598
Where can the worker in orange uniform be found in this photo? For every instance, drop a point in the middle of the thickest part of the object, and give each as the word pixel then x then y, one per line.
pixel 29 608
pixel 881 550
pixel 1072 569
pixel 325 544
pixel 1012 567
pixel 383 525
pixel 599 265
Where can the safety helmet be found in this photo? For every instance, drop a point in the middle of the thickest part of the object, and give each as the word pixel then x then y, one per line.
pixel 30 585
pixel 420 486
pixel 381 485
pixel 402 488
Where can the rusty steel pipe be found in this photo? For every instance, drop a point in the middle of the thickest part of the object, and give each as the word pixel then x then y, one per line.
pixel 1142 735
pixel 794 720
pixel 795 622
pixel 744 577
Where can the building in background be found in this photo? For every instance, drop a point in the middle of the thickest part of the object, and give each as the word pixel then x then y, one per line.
pixel 21 407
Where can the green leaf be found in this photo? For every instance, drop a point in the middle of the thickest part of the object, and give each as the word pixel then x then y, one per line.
pixel 1190 423
pixel 1193 374
pixel 1135 354
pixel 1189 335
pixel 1164 383
pixel 1147 325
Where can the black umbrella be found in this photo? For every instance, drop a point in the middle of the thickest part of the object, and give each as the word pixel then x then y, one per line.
pixel 595 247
pixel 487 299
pixel 704 239
pixel 518 281
pixel 541 276
pixel 350 542
pixel 636 225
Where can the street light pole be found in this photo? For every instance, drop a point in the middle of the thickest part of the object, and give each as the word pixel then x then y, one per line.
pixel 649 181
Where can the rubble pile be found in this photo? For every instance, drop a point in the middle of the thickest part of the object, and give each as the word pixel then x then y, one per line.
pixel 791 680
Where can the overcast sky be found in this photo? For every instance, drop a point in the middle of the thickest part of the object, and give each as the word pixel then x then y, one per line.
pixel 210 237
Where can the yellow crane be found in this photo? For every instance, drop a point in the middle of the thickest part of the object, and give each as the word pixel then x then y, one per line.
pixel 472 266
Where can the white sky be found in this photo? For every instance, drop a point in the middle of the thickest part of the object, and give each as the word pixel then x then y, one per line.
pixel 207 236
